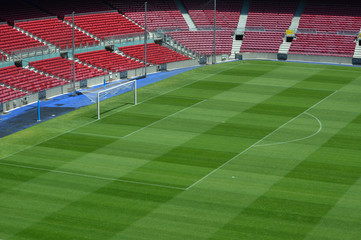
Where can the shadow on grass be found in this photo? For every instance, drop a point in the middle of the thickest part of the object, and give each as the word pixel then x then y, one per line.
pixel 116 109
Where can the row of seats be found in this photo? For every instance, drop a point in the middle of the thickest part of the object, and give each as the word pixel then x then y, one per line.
pixel 161 14
pixel 331 16
pixel 202 41
pixel 26 80
pixel 12 40
pixel 8 93
pixel 107 60
pixel 268 42
pixel 271 15
pixel 105 25
pixel 62 68
pixel 56 32
pixel 156 54
pixel 323 44
pixel 202 13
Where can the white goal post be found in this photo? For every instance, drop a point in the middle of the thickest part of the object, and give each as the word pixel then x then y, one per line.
pixel 115 91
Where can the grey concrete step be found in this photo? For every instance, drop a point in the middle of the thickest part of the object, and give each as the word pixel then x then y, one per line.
pixel 191 25
pixel 244 15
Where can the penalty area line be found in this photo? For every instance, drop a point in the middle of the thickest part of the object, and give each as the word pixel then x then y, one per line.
pixel 259 141
pixel 166 117
pixel 91 176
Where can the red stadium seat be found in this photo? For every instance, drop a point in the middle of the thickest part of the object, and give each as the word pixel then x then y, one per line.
pixel 26 80
pixel 109 61
pixel 56 32
pixel 105 25
pixel 202 13
pixel 202 41
pixel 161 14
pixel 156 54
pixel 62 68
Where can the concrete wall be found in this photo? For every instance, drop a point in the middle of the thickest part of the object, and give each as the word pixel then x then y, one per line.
pixel 252 56
pixel 297 57
pixel 182 64
pixel 320 59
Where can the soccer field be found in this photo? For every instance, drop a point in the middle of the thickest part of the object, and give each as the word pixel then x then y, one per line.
pixel 244 150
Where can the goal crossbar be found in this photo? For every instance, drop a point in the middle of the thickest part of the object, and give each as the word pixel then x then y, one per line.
pixel 116 90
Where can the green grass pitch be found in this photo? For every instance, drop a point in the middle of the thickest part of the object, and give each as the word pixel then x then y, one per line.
pixel 244 150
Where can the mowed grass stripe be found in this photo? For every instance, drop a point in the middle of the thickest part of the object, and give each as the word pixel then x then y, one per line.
pixel 204 160
pixel 298 202
pixel 73 141
pixel 18 185
pixel 131 201
pixel 20 233
pixel 72 144
pixel 204 215
pixel 290 209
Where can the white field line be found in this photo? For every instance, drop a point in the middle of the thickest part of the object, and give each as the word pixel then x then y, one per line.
pixel 138 130
pixel 88 123
pixel 299 139
pixel 90 176
pixel 256 143
pixel 130 134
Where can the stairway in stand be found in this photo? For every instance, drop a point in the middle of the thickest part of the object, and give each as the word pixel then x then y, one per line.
pixel 186 16
pixel 285 46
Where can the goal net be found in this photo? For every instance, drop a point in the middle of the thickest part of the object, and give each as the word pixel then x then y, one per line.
pixel 106 92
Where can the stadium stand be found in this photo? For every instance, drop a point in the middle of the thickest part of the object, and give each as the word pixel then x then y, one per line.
pixel 161 14
pixel 107 24
pixel 64 7
pixel 202 13
pixel 56 32
pixel 266 24
pixel 7 94
pixel 328 28
pixel 12 40
pixel 271 15
pixel 323 44
pixel 267 42
pixel 62 68
pixel 109 61
pixel 331 16
pixel 11 11
pixel 202 41
pixel 156 54
pixel 27 80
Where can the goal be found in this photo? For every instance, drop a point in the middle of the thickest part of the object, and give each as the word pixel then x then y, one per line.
pixel 115 91
pixel 109 91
